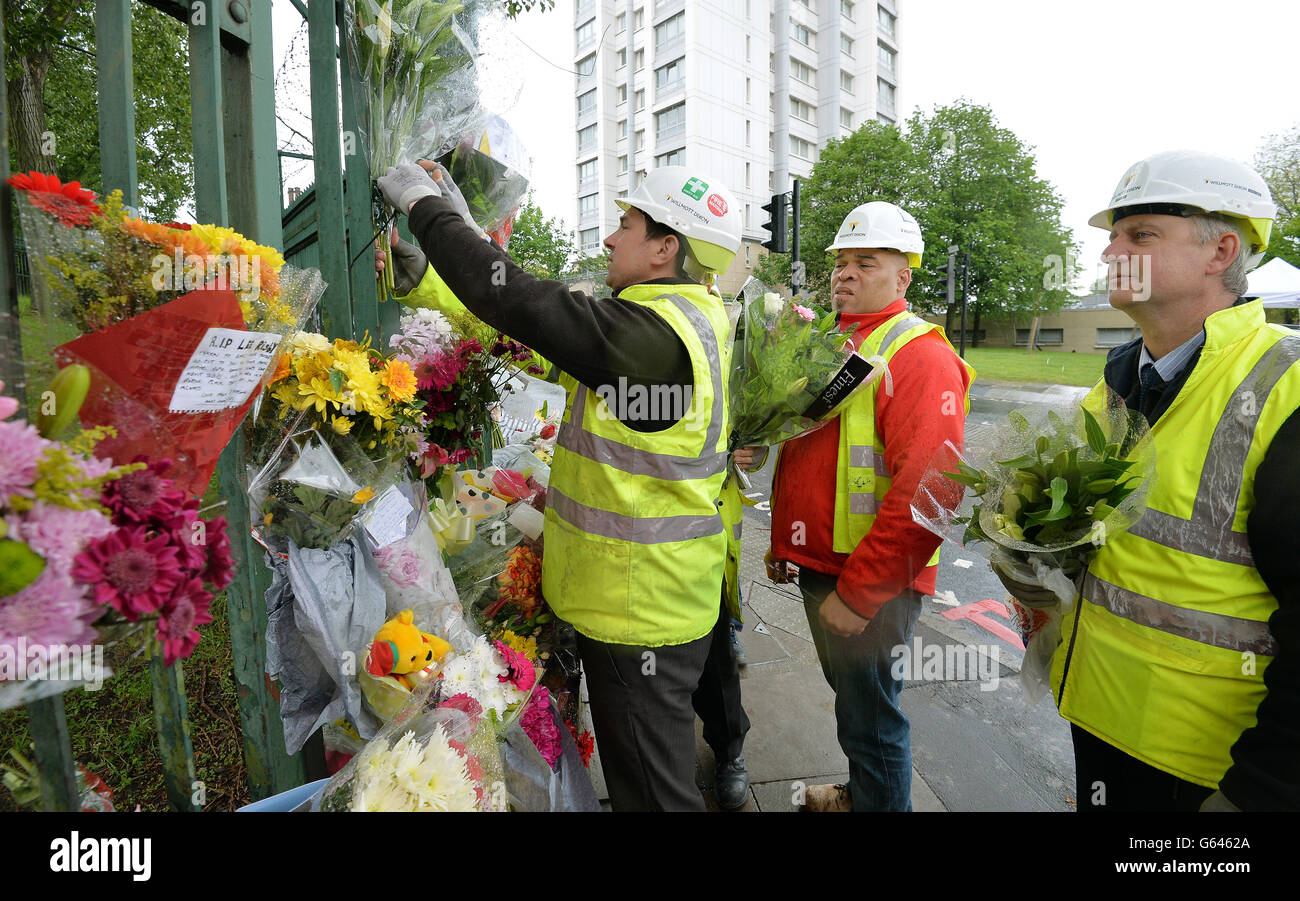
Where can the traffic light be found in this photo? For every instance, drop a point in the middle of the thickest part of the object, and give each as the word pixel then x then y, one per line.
pixel 776 224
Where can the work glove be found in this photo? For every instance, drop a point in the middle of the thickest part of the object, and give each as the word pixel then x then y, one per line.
pixel 403 186
pixel 454 196
pixel 408 261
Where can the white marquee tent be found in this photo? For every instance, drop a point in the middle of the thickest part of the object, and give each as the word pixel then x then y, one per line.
pixel 1277 282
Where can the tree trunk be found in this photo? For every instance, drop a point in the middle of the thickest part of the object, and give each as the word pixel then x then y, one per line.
pixel 975 335
pixel 27 115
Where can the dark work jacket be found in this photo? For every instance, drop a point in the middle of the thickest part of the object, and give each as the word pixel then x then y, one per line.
pixel 1265 771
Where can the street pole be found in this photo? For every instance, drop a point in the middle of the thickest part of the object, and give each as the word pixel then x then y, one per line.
pixel 796 272
pixel 952 292
pixel 965 288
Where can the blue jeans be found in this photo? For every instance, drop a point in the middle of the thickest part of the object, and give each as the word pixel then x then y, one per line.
pixel 872 729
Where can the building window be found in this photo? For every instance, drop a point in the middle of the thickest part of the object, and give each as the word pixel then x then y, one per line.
pixel 885 59
pixel 670 122
pixel 803 35
pixel 584 8
pixel 1045 336
pixel 587 139
pixel 639 59
pixel 801 148
pixel 801 71
pixel 884 95
pixel 670 76
pixel 638 19
pixel 587 103
pixel 771 63
pixel 846 44
pixel 747 126
pixel 801 110
pixel 587 206
pixel 672 158
pixel 640 139
pixel 640 99
pixel 586 33
pixel 587 172
pixel 747 175
pixel 748 93
pixel 746 48
pixel 846 9
pixel 622 93
pixel 1114 337
pixel 807 3
pixel 587 66
pixel 589 239
pixel 884 120
pixel 622 129
pixel 846 82
pixel 846 118
pixel 887 22
pixel 622 165
pixel 670 30
pixel 622 58
pixel 771 141
pixel 622 23
pixel 747 216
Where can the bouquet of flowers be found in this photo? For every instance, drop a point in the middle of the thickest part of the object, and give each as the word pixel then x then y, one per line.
pixel 1048 494
pixel 417 81
pixel 93 552
pixel 178 324
pixel 438 754
pixel 790 370
pixel 492 182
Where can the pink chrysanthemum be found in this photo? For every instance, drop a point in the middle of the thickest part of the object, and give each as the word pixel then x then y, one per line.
pixel 132 573
pixel 21 447
pixel 538 723
pixel 519 669
pixel 57 533
pixel 53 610
pixel 177 620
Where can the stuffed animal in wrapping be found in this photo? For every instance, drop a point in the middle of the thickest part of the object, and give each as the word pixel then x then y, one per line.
pixel 401 650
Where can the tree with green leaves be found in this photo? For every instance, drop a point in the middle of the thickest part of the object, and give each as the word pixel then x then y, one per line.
pixel 52 88
pixel 1279 162
pixel 538 244
pixel 969 182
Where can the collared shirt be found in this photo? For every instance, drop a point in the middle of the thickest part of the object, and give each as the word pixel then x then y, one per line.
pixel 1172 363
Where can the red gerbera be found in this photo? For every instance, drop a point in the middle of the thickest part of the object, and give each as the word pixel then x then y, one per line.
pixel 132 573
pixel 187 608
pixel 71 203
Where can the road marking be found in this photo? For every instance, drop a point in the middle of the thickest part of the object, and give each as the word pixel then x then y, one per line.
pixel 975 613
pixel 946 597
pixel 964 564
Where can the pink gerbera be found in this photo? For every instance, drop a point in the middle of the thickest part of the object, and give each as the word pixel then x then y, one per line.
pixel 519 669
pixel 145 494
pixel 465 704
pixel 221 565
pixel 132 573
pixel 187 608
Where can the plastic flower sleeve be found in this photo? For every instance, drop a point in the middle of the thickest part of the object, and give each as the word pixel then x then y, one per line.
pixel 493 186
pixel 437 754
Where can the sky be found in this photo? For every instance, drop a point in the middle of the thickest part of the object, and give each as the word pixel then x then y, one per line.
pixel 1092 86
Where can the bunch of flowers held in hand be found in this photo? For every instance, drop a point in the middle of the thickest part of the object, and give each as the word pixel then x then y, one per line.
pixel 348 388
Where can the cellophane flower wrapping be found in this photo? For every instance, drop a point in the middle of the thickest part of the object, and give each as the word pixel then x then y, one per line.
pixel 493 185
pixel 438 754
pixel 790 369
pixel 178 324
pixel 1048 489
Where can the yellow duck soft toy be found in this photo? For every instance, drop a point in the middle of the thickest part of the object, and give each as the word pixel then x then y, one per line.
pixel 400 650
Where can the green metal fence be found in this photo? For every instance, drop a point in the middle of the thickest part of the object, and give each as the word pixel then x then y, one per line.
pixel 236 183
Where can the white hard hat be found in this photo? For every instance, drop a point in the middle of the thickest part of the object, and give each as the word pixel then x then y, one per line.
pixel 1168 181
pixel 882 225
pixel 702 211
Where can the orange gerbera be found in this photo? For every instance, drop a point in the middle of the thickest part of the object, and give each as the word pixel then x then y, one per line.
pixel 399 380
pixel 164 237
pixel 71 203
pixel 282 368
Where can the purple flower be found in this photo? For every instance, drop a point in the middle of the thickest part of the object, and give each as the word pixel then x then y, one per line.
pixel 21 447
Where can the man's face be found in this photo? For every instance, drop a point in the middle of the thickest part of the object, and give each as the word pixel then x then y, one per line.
pixel 1156 259
pixel 632 256
pixel 866 280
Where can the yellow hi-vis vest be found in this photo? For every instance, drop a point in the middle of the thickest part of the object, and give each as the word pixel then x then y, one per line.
pixel 861 479
pixel 1164 656
pixel 635 544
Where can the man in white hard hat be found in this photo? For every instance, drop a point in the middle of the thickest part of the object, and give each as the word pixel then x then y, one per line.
pixel 635 545
pixel 1179 668
pixel 841 504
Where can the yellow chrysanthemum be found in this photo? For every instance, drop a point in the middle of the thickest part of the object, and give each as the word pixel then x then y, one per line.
pixel 399 380
pixel 318 393
pixel 363 495
pixel 280 312
pixel 341 425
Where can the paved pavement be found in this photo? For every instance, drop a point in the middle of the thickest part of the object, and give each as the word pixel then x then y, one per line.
pixel 977 744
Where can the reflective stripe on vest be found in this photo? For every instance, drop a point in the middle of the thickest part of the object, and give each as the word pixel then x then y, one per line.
pixel 1229 632
pixel 634 461
pixel 637 529
pixel 1209 532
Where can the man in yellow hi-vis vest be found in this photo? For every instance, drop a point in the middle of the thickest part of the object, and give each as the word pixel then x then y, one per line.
pixel 841 504
pixel 1179 667
pixel 635 545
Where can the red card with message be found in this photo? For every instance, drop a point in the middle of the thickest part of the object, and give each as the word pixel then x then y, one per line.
pixel 154 380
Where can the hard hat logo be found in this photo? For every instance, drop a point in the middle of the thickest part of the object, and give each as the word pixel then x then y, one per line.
pixel 717 206
pixel 695 189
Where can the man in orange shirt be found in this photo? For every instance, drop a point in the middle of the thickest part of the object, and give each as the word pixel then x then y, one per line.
pixel 841 504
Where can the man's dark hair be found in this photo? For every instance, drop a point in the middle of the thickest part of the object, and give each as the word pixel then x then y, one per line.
pixel 655 229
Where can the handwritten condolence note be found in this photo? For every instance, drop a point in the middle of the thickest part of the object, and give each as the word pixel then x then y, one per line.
pixel 224 370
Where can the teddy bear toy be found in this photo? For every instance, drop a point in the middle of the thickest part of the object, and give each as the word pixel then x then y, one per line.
pixel 401 651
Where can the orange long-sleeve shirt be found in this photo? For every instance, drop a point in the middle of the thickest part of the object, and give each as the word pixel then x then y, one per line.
pixel 926 410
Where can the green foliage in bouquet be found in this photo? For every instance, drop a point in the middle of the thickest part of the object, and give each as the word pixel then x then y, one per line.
pixel 1060 494
pixel 310 516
